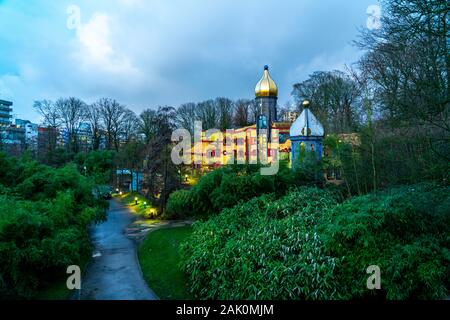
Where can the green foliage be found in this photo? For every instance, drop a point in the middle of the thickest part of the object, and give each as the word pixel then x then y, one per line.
pixel 227 186
pixel 44 214
pixel 98 165
pixel 307 246
pixel 262 249
pixel 404 231
pixel 179 205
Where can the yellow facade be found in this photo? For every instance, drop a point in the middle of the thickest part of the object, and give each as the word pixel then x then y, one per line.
pixel 213 150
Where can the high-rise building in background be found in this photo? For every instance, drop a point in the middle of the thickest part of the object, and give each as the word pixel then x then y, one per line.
pixel 5 113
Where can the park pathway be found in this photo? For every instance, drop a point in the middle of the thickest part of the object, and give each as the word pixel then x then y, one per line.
pixel 114 272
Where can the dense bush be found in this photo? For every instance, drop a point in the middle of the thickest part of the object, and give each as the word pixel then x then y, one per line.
pixel 180 203
pixel 307 246
pixel 405 231
pixel 227 186
pixel 262 249
pixel 98 164
pixel 44 214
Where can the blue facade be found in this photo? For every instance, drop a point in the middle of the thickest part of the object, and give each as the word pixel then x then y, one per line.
pixel 300 145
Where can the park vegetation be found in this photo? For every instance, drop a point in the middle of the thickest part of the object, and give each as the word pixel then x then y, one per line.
pixel 227 186
pixel 44 215
pixel 307 245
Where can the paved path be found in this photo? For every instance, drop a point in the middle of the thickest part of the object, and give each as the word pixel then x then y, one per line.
pixel 114 272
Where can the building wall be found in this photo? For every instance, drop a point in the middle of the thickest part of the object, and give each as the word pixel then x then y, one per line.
pixel 5 112
pixel 243 147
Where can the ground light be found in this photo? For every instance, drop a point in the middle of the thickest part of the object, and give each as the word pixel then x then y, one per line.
pixel 136 200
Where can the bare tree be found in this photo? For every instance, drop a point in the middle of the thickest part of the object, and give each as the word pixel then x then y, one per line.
pixel 283 112
pixel 148 124
pixel 206 112
pixel 129 126
pixel 111 113
pixel 254 111
pixel 161 175
pixel 93 115
pixel 51 119
pixel 225 111
pixel 71 111
pixel 242 113
pixel 186 116
pixel 333 96
pixel 408 62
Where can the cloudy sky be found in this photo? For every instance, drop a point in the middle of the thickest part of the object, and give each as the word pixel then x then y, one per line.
pixel 146 53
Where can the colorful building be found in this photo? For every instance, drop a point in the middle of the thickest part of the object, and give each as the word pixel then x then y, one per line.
pixel 306 134
pixel 241 145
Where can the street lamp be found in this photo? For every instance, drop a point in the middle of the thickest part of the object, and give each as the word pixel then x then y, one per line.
pixel 186 178
pixel 136 200
pixel 145 205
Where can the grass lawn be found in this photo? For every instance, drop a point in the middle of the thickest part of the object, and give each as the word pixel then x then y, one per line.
pixel 159 258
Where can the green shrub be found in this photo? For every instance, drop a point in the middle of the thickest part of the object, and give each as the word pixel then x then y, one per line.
pixel 44 214
pixel 227 186
pixel 404 231
pixel 262 249
pixel 179 205
pixel 307 246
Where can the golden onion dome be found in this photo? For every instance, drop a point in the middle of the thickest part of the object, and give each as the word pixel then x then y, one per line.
pixel 266 87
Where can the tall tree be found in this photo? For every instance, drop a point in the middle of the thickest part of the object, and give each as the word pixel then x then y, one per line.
pixel 148 125
pixel 111 113
pixel 186 116
pixel 333 96
pixel 254 111
pixel 47 109
pixel 71 111
pixel 129 126
pixel 94 118
pixel 161 175
pixel 206 112
pixel 225 111
pixel 242 113
pixel 408 62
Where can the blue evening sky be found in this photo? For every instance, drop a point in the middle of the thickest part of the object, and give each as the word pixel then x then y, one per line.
pixel 146 53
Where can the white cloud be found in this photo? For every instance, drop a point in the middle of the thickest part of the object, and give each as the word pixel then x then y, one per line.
pixel 95 49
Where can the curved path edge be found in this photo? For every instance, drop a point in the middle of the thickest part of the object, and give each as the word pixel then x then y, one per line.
pixel 114 272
